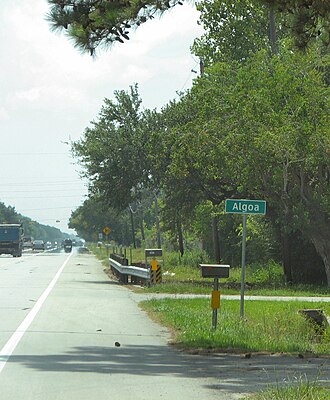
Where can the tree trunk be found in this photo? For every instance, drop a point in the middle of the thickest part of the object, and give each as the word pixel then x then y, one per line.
pixel 216 244
pixel 180 238
pixel 159 243
pixel 272 30
pixel 141 223
pixel 286 257
pixel 133 228
pixel 322 246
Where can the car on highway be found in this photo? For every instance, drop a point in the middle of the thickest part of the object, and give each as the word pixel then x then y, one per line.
pixel 38 245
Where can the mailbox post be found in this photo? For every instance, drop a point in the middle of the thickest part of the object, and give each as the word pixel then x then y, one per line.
pixel 215 271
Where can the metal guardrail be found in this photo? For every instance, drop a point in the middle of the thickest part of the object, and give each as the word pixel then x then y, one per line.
pixel 124 272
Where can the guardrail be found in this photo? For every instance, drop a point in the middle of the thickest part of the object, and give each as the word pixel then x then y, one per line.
pixel 130 274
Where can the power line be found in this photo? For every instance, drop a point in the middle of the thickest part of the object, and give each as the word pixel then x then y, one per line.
pixel 38 197
pixel 48 208
pixel 59 183
pixel 33 154
pixel 38 190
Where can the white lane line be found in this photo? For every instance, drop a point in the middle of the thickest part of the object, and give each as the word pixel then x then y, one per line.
pixel 10 346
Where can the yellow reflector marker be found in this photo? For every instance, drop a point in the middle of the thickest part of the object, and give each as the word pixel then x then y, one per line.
pixel 154 265
pixel 215 303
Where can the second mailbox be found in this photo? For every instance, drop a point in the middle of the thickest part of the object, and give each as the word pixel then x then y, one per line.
pixel 215 270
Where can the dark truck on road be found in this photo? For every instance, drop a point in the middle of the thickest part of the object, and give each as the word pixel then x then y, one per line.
pixel 67 244
pixel 11 239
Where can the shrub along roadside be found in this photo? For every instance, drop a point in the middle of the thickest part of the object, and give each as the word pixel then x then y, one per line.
pixel 269 326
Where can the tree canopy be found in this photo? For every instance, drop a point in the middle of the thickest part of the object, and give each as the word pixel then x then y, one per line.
pixel 257 129
pixel 98 23
pixel 255 124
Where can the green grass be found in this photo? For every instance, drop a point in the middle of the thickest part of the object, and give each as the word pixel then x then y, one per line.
pixel 269 326
pixel 182 275
pixel 301 390
pixel 206 286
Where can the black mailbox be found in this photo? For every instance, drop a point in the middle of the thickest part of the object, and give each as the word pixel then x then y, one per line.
pixel 215 270
pixel 153 252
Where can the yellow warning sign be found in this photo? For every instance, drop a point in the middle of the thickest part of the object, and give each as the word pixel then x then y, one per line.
pixel 154 265
pixel 215 303
pixel 107 230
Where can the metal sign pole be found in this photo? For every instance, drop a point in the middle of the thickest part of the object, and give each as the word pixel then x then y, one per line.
pixel 215 310
pixel 154 270
pixel 243 266
pixel 107 244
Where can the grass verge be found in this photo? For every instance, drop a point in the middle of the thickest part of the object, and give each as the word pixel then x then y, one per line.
pixel 270 326
pixel 301 390
pixel 186 278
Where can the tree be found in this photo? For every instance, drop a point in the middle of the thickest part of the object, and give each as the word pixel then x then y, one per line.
pixel 308 20
pixel 280 139
pixel 258 129
pixel 93 216
pixel 9 215
pixel 233 30
pixel 94 23
pixel 112 150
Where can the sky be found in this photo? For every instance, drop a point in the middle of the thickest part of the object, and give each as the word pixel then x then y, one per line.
pixel 50 93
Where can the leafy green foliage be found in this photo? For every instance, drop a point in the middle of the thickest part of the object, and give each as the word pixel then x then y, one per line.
pixel 93 216
pixel 257 129
pixel 308 20
pixel 112 150
pixel 233 30
pixel 94 23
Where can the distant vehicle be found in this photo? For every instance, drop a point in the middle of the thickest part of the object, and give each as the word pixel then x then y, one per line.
pixel 67 244
pixel 38 245
pixel 11 239
pixel 27 242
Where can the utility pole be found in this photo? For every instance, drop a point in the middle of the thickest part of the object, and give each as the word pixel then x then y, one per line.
pixel 132 227
pixel 272 30
pixel 201 66
pixel 159 244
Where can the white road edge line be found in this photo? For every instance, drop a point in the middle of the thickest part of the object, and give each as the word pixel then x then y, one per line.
pixel 10 346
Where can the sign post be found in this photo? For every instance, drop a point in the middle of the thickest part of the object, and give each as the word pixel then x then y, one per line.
pixel 155 268
pixel 107 230
pixel 215 271
pixel 243 267
pixel 245 207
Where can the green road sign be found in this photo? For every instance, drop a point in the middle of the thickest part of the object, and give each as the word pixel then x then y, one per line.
pixel 242 206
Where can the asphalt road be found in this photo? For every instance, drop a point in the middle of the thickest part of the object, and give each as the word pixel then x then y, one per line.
pixel 68 332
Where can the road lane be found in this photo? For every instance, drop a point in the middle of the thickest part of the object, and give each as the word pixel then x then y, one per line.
pixel 22 281
pixel 14 340
pixel 69 349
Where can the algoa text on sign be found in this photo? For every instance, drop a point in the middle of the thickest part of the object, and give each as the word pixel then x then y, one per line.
pixel 243 206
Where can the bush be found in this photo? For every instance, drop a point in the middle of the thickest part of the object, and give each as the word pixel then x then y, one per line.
pixel 191 258
pixel 268 274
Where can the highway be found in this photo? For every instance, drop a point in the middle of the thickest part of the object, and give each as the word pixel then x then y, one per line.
pixel 68 332
pixel 60 320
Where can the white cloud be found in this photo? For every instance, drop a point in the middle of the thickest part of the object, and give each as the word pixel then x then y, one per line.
pixel 3 114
